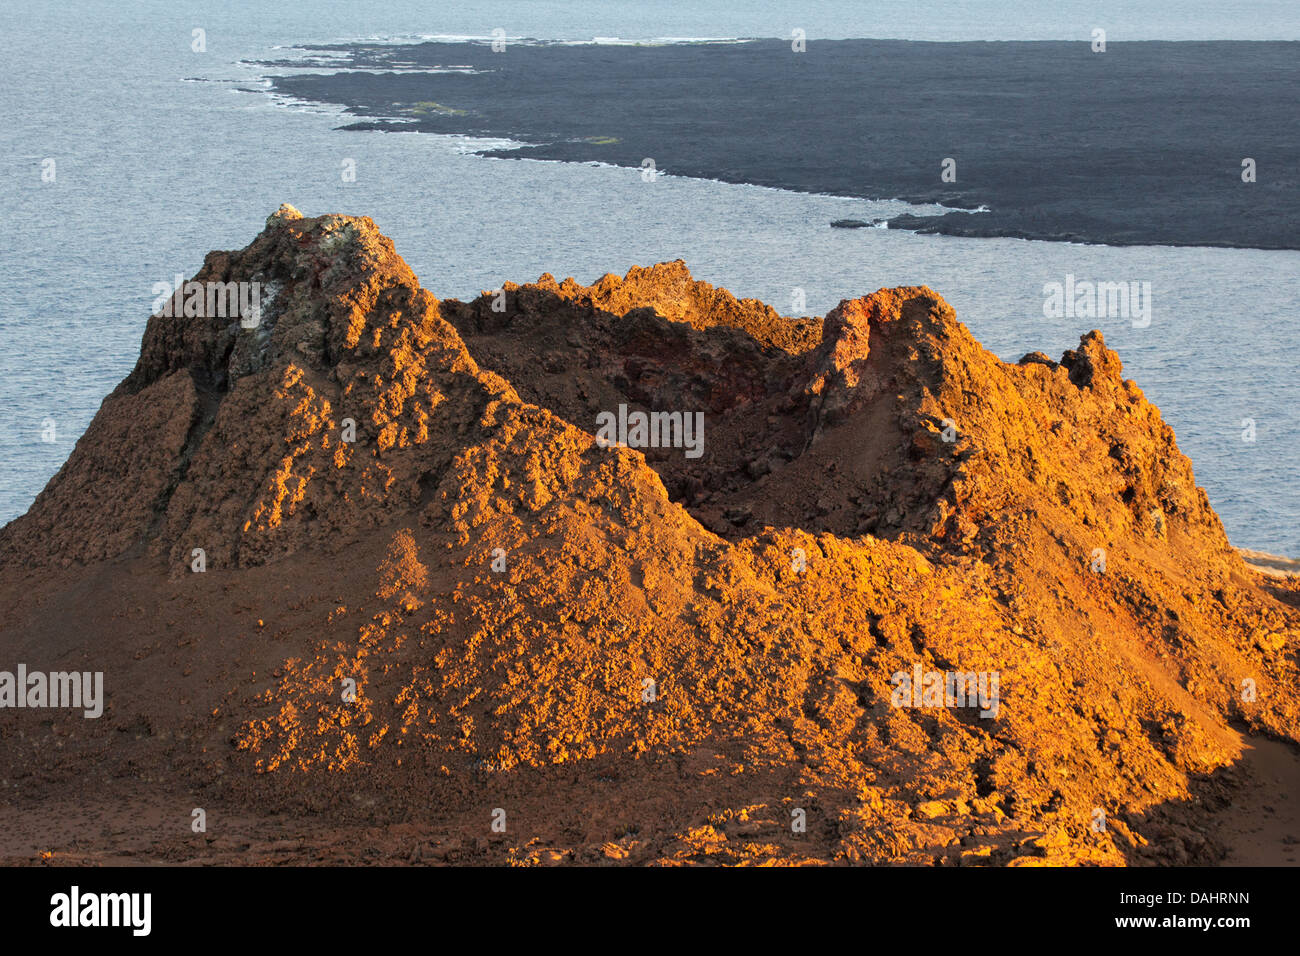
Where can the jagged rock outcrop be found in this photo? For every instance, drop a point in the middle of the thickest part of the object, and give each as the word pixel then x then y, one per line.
pixel 535 619
pixel 254 465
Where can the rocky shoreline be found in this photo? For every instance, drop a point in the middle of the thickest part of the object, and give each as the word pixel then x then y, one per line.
pixel 1143 144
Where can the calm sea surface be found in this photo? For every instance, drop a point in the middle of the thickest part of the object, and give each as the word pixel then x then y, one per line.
pixel 161 154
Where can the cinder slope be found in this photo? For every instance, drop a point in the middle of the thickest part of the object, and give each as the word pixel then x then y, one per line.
pixel 677 652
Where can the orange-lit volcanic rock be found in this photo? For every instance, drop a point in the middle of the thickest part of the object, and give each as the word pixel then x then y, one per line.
pixel 638 654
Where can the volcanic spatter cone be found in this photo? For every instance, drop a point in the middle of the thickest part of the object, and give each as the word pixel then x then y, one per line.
pixel 427 583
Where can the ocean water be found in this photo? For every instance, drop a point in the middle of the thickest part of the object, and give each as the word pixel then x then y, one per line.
pixel 162 153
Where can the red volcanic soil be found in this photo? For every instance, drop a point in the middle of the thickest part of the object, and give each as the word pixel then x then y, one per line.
pixel 569 651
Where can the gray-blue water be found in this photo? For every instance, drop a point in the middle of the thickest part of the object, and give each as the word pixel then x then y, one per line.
pixel 158 158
